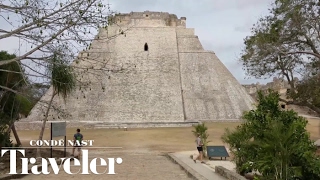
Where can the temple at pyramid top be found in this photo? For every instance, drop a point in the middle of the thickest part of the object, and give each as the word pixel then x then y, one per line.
pixel 150 19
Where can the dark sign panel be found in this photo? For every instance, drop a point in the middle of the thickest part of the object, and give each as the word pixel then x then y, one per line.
pixel 217 151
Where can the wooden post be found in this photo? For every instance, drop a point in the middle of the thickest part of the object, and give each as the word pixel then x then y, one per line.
pixel 51 141
pixel 65 146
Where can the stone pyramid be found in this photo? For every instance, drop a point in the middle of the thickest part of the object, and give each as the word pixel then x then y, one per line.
pixel 148 67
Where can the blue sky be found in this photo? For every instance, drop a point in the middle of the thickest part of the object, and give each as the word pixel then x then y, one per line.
pixel 221 25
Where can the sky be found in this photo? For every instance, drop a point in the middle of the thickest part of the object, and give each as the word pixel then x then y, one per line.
pixel 221 25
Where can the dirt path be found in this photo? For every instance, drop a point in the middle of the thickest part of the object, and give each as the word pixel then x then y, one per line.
pixel 136 165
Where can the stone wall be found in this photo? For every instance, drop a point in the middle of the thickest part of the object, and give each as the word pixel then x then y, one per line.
pixel 22 125
pixel 228 174
pixel 277 84
pixel 149 19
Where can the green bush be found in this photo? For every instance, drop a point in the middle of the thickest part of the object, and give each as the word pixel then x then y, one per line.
pixel 274 142
pixel 5 140
pixel 5 136
pixel 202 130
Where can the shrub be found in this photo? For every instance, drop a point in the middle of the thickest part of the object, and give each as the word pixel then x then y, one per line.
pixel 202 130
pixel 274 142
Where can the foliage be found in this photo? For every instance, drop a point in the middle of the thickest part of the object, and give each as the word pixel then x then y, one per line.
pixel 309 90
pixel 274 142
pixel 26 104
pixel 53 33
pixel 260 59
pixel 11 77
pixel 50 26
pixel 5 140
pixel 202 129
pixel 63 82
pixel 63 78
pixel 284 42
pixel 11 104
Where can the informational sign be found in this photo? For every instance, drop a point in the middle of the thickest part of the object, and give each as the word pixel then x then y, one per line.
pixel 58 129
pixel 217 151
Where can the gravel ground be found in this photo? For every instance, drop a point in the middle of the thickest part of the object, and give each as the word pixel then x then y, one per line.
pixel 135 166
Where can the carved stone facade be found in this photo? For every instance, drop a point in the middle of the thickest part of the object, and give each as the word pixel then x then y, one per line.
pixel 149 19
pixel 174 79
pixel 278 84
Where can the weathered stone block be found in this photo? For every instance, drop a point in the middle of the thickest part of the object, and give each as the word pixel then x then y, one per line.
pixel 228 174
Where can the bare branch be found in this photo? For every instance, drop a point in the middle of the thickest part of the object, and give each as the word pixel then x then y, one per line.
pixel 9 89
pixel 304 52
pixel 20 29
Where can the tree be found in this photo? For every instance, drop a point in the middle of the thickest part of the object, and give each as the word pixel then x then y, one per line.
pixel 301 21
pixel 284 43
pixel 51 26
pixel 11 104
pixel 202 129
pixel 63 83
pixel 291 29
pixel 53 30
pixel 309 92
pixel 274 142
pixel 275 151
pixel 261 60
pixel 11 75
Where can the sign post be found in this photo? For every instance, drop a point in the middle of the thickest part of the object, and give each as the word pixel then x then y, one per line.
pixel 59 129
pixel 51 141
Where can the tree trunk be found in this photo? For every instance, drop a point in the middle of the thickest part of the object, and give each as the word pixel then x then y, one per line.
pixel 13 129
pixel 44 122
pixel 10 127
pixel 16 135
